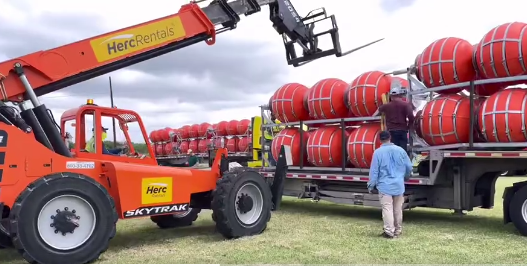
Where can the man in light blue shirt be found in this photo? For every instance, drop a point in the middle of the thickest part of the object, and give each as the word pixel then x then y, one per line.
pixel 390 167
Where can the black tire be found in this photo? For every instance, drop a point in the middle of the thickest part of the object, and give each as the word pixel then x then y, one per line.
pixel 5 239
pixel 224 203
pixel 25 212
pixel 174 220
pixel 515 210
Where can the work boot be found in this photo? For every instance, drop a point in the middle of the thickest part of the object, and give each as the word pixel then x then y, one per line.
pixel 386 235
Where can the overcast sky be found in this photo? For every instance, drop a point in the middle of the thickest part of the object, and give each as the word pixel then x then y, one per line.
pixel 230 79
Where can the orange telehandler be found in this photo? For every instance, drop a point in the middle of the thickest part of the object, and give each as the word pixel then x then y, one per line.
pixel 61 206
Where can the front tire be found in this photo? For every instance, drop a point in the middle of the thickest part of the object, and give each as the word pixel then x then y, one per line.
pixel 5 239
pixel 176 220
pixel 518 210
pixel 241 204
pixel 63 218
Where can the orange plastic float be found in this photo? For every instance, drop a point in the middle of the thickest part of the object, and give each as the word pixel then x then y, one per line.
pixel 289 137
pixel 193 145
pixel 288 103
pixel 446 120
pixel 203 145
pixel 326 99
pixel 232 127
pixel 232 144
pixel 243 127
pixel 243 144
pixel 324 147
pixel 501 52
pixel 502 116
pixel 364 95
pixel 184 132
pixel 221 129
pixel 444 62
pixel 362 142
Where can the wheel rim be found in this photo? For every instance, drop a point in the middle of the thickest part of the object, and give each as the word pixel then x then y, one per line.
pixel 182 214
pixel 249 217
pixel 52 230
pixel 524 211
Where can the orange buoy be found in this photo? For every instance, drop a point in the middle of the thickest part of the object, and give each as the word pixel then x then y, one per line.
pixel 232 144
pixel 203 129
pixel 484 89
pixel 183 147
pixel 501 52
pixel 324 147
pixel 160 151
pixel 362 142
pixel 446 120
pixel 193 145
pixel 232 127
pixel 221 129
pixel 416 61
pixel 290 137
pixel 287 103
pixel 193 131
pixel 203 145
pixel 446 61
pixel 417 123
pixel 501 117
pixel 326 99
pixel 243 144
pixel 364 95
pixel 151 136
pixel 219 142
pixel 169 148
pixel 184 132
pixel 243 127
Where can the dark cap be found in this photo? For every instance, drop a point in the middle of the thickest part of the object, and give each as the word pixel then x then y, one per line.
pixel 103 129
pixel 384 135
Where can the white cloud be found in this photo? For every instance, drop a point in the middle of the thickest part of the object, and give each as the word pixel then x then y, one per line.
pixel 407 30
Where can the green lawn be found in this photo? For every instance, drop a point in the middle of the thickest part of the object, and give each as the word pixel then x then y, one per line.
pixel 306 232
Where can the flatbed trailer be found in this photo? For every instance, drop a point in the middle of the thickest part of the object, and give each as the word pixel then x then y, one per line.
pixel 458 177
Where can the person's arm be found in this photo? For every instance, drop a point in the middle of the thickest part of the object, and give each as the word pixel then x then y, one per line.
pixel 410 115
pixel 382 108
pixel 407 163
pixel 374 170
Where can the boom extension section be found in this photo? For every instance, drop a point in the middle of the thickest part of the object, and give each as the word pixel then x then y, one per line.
pixel 287 22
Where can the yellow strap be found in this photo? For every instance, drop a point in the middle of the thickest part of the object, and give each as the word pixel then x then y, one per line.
pixel 385 100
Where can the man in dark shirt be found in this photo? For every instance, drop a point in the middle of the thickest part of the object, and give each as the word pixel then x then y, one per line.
pixel 399 116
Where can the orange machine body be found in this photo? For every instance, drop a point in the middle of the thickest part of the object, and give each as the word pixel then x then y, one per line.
pixel 129 180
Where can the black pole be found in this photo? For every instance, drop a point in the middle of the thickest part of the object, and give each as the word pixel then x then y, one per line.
pixel 113 119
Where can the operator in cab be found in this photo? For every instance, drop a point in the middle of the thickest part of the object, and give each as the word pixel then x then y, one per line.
pixel 90 145
pixel 399 117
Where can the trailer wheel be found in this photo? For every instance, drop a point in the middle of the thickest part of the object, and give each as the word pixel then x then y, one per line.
pixel 518 210
pixel 180 219
pixel 63 218
pixel 241 203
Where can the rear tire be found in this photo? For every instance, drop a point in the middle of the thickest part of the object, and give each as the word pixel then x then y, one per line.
pixel 5 239
pixel 241 203
pixel 518 210
pixel 63 218
pixel 176 220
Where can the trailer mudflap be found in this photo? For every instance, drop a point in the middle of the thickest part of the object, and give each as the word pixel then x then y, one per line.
pixel 277 188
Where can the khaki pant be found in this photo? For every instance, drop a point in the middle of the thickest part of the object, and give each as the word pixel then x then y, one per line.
pixel 392 213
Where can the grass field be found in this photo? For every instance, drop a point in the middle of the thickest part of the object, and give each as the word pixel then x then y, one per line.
pixel 306 232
